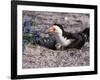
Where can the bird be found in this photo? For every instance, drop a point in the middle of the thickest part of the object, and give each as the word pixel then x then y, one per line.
pixel 67 39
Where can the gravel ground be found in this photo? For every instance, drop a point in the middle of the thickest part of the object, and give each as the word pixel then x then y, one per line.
pixel 40 57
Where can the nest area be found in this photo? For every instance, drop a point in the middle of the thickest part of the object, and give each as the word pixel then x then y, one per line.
pixel 36 56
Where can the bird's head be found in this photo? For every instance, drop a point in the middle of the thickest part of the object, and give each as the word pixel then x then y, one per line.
pixel 56 29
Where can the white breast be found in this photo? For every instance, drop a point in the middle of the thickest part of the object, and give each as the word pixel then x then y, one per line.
pixel 63 41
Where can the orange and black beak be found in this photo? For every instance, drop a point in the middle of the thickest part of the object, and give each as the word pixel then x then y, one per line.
pixel 52 29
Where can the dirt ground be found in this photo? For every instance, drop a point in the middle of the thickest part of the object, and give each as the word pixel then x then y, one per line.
pixel 41 57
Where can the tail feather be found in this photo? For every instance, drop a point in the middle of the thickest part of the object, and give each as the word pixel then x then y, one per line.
pixel 86 33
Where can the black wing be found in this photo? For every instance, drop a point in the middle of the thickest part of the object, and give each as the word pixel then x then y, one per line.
pixel 70 35
pixel 78 39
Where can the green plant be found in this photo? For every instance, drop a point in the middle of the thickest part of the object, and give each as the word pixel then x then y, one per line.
pixel 27 37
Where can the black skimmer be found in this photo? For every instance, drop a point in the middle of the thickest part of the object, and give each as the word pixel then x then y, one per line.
pixel 69 40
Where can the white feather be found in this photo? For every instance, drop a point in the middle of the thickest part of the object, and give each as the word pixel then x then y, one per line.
pixel 60 39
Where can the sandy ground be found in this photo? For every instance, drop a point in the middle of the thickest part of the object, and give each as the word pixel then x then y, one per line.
pixel 40 57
